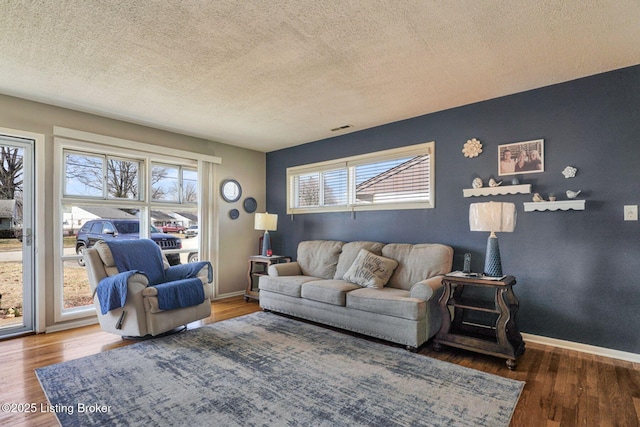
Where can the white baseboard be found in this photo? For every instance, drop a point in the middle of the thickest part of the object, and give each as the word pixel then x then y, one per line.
pixel 584 348
pixel 228 295
pixel 72 324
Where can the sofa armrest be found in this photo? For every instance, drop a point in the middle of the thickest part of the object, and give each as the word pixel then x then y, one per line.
pixel 427 289
pixel 285 269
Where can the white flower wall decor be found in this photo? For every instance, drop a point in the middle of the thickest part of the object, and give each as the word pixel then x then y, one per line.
pixel 569 172
pixel 472 148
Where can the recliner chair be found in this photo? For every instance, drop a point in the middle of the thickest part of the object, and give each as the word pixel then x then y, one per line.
pixel 141 313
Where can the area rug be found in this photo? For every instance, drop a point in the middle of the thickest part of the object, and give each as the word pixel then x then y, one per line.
pixel 263 369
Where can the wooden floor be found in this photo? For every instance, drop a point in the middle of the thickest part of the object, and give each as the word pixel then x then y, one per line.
pixel 563 387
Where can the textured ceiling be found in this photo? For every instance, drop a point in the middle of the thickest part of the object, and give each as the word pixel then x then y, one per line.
pixel 273 74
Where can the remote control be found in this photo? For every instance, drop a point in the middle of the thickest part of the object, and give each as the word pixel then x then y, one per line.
pixel 121 320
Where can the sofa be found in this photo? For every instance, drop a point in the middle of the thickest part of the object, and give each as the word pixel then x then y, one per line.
pixel 387 291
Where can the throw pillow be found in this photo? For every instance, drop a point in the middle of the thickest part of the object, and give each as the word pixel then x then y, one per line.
pixel 370 270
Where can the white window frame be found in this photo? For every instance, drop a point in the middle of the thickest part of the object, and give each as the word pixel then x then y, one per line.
pixel 350 163
pixel 79 141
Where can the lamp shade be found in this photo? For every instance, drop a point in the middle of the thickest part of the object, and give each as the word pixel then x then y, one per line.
pixel 265 221
pixel 492 216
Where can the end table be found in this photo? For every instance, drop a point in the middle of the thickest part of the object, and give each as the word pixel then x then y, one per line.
pixel 498 336
pixel 259 266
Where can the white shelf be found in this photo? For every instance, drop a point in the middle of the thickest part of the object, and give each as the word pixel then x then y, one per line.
pixel 494 191
pixel 564 205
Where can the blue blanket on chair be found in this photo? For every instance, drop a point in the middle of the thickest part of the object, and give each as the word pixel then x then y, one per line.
pixel 177 287
pixel 112 291
pixel 141 255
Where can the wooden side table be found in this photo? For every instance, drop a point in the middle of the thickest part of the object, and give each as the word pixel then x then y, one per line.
pixel 259 266
pixel 495 333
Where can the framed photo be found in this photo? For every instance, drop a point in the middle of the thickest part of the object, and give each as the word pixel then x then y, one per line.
pixel 521 157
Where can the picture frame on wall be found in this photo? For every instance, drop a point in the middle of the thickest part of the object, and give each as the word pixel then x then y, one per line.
pixel 521 157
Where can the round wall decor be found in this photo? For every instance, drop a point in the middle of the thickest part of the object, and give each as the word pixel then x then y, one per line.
pixel 234 213
pixel 250 205
pixel 230 190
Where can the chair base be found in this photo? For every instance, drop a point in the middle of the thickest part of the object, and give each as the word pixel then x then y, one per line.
pixel 149 336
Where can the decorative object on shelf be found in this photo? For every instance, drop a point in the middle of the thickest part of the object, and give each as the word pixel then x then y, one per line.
pixel 493 217
pixel 477 183
pixel 521 157
pixel 230 190
pixel 573 194
pixel 515 180
pixel 234 213
pixel 494 191
pixel 267 222
pixel 537 197
pixel 552 197
pixel 569 172
pixel 493 183
pixel 250 205
pixel 472 148
pixel 467 263
pixel 561 205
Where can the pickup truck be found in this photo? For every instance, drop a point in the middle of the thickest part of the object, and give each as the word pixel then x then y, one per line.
pixel 173 228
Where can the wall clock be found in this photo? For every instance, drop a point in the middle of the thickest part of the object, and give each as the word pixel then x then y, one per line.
pixel 230 190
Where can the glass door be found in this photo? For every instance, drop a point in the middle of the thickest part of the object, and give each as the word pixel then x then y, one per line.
pixel 16 235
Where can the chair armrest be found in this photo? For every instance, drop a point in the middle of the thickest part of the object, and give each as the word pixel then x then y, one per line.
pixel 136 283
pixel 202 270
pixel 426 289
pixel 152 291
pixel 285 269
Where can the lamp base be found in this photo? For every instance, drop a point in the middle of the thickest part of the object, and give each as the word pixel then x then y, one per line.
pixel 266 244
pixel 492 263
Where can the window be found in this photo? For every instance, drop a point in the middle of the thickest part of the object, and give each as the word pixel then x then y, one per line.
pixel 107 192
pixel 101 176
pixel 400 178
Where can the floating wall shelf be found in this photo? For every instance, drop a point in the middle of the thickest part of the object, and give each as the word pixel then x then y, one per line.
pixel 564 205
pixel 494 191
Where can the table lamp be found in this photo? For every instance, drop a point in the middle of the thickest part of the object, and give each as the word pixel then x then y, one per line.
pixel 493 217
pixel 267 222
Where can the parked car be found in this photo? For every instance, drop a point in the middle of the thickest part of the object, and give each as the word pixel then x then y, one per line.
pixel 192 255
pixel 173 228
pixel 191 231
pixel 108 229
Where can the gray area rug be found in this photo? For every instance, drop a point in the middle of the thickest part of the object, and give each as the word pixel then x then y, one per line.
pixel 267 370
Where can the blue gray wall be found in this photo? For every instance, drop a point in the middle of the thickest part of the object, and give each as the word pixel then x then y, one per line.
pixel 577 271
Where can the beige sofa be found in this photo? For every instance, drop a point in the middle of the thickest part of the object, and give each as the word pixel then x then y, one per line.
pixel 404 311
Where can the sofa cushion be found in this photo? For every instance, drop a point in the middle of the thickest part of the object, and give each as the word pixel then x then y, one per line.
pixel 319 258
pixel 350 252
pixel 328 291
pixel 388 301
pixel 286 285
pixel 417 262
pixel 370 270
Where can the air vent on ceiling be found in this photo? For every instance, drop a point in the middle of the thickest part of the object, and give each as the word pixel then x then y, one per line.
pixel 341 128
